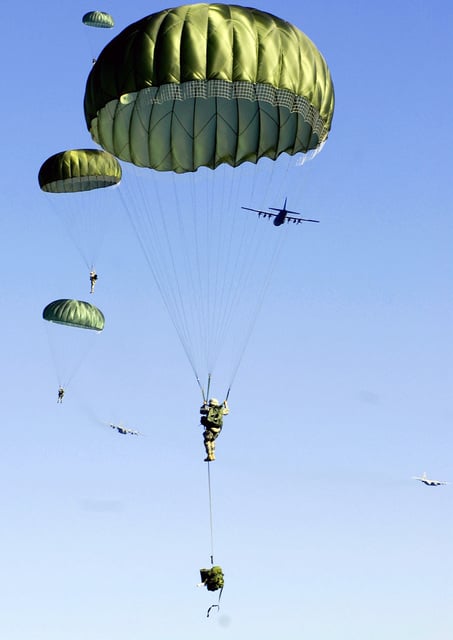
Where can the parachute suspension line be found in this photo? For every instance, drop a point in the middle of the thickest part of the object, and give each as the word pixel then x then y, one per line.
pixel 228 246
pixel 214 258
pixel 259 304
pixel 205 255
pixel 202 390
pixel 151 242
pixel 209 385
pixel 276 182
pixel 69 366
pixel 205 395
pixel 240 276
pixel 61 381
pixel 74 371
pixel 189 304
pixel 200 242
pixel 70 212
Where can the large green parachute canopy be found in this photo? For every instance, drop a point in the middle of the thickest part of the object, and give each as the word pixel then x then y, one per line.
pixel 74 313
pixel 79 170
pixel 98 19
pixel 207 84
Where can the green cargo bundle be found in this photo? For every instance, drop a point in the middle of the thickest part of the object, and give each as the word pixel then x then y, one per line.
pixel 212 578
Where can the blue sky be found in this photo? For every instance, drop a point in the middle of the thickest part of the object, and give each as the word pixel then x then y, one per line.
pixel 343 394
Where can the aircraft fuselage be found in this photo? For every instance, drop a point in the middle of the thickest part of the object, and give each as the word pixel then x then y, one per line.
pixel 280 218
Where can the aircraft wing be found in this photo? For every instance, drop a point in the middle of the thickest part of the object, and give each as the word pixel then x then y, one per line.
pixel 266 214
pixel 430 483
pixel 298 220
pixel 294 213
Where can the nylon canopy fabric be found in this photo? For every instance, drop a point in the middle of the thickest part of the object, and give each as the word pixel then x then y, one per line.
pixel 74 313
pixel 98 19
pixel 207 84
pixel 79 170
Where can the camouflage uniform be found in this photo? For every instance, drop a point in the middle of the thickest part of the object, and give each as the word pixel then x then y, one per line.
pixel 93 279
pixel 212 420
pixel 60 395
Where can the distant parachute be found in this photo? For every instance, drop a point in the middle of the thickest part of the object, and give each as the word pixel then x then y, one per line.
pixel 74 313
pixel 69 340
pixel 81 179
pixel 98 19
pixel 79 170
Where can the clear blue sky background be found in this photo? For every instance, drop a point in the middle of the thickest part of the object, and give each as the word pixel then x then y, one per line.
pixel 343 395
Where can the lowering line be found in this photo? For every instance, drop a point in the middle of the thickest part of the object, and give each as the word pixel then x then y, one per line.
pixel 211 527
pixel 213 606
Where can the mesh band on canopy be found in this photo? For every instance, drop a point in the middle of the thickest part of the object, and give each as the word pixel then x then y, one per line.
pixel 231 91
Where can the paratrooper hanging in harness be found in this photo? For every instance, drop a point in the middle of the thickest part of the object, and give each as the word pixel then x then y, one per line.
pixel 212 419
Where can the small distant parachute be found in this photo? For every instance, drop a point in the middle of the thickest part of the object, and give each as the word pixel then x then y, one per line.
pixel 98 19
pixel 79 170
pixel 70 347
pixel 81 178
pixel 74 313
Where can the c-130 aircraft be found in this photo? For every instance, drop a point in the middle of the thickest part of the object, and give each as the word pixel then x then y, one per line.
pixel 282 215
pixel 427 481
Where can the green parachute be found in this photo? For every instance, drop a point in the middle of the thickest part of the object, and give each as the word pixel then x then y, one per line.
pixel 207 84
pixel 209 96
pixel 98 19
pixel 74 313
pixel 72 328
pixel 78 184
pixel 198 88
pixel 79 170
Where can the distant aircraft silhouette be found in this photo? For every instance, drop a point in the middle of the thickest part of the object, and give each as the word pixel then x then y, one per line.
pixel 282 215
pixel 124 430
pixel 430 483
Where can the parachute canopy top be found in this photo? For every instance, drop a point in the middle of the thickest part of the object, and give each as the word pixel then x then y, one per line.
pixel 79 170
pixel 74 313
pixel 207 84
pixel 98 19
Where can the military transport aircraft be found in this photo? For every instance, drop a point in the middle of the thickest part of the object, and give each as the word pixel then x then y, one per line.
pixel 282 215
pixel 124 430
pixel 430 483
